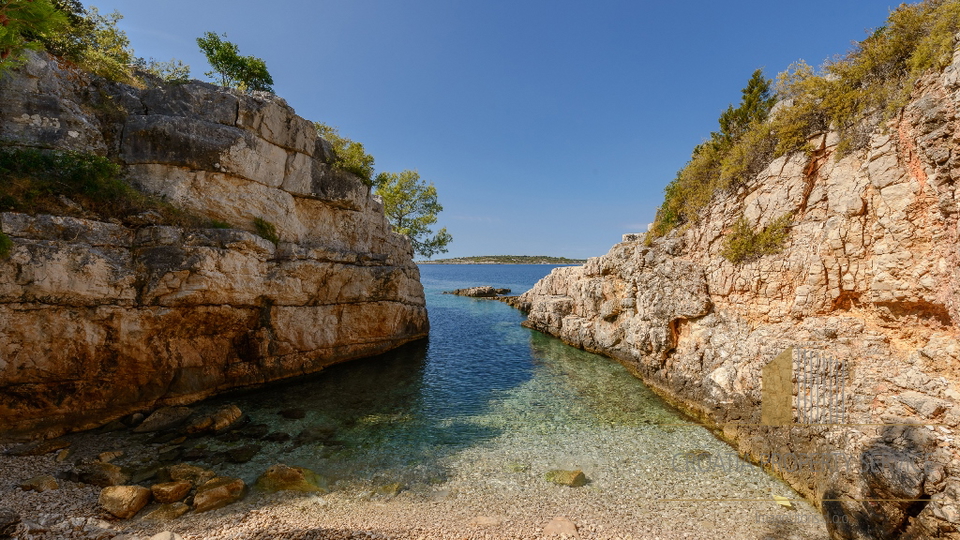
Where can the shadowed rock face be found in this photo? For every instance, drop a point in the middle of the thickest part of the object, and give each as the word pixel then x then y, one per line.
pixel 98 320
pixel 869 275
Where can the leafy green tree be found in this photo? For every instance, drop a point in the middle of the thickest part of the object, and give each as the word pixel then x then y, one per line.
pixel 247 73
pixel 23 24
pixel 411 207
pixel 351 156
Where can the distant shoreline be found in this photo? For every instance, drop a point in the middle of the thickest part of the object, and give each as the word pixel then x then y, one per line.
pixel 507 259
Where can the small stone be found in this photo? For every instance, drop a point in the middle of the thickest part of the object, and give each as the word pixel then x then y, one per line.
pixel 124 501
pixel 63 455
pixel 40 483
pixel 102 474
pixel 191 473
pixel 163 418
pixel 195 454
pixel 293 414
pixel 243 453
pixel 283 478
pixel 255 431
pixel 107 457
pixel 390 489
pixel 170 453
pixel 277 436
pixel 166 535
pixel 566 478
pixel 38 448
pixel 218 421
pixel 170 492
pixel 133 420
pixel 485 521
pixel 8 522
pixel 560 526
pixel 316 433
pixel 218 493
pixel 167 512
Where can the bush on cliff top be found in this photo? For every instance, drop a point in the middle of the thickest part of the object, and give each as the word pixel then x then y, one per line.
pixel 852 94
pixel 350 155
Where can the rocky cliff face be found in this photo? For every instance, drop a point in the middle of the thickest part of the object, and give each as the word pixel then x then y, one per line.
pixel 100 319
pixel 869 277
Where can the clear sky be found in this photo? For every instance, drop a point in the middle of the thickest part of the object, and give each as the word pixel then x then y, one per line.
pixel 549 127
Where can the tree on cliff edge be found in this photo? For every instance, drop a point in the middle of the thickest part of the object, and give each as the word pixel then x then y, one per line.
pixel 411 207
pixel 247 73
pixel 23 24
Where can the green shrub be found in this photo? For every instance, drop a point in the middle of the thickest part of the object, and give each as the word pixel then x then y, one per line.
pixel 6 245
pixel 217 224
pixel 40 181
pixel 743 244
pixel 266 230
pixel 37 172
pixel 350 155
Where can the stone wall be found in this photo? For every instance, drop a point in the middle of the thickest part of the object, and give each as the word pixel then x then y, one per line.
pixel 869 275
pixel 99 319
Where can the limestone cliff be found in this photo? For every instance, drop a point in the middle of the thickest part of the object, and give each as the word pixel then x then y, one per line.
pixel 100 319
pixel 869 276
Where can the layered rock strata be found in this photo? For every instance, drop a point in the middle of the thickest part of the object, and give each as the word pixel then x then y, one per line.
pixel 868 278
pixel 98 319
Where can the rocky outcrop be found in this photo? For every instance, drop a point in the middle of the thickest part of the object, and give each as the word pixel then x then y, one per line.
pixel 869 277
pixel 484 291
pixel 98 319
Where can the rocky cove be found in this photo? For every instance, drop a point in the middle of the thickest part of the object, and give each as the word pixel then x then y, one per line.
pixel 134 352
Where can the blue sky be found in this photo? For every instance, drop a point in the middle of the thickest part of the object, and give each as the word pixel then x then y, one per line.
pixel 548 127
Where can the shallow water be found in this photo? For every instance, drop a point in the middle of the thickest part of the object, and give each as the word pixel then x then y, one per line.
pixel 481 411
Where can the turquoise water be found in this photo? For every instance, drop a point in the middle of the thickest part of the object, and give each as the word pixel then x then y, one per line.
pixel 480 376
pixel 468 423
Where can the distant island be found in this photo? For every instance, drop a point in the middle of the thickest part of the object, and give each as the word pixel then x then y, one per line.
pixel 506 259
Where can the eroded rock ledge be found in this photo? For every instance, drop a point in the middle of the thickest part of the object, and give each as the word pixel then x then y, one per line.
pixel 98 320
pixel 870 275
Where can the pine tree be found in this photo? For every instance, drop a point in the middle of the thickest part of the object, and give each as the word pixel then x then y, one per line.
pixel 22 24
pixel 754 107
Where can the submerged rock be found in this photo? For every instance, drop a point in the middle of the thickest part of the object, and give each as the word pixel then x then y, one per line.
pixel 243 453
pixel 283 478
pixel 163 418
pixel 566 478
pixel 293 414
pixel 218 421
pixel 316 433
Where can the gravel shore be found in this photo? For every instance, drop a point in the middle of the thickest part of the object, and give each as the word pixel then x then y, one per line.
pixel 494 490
